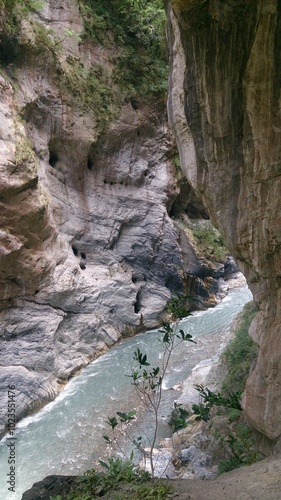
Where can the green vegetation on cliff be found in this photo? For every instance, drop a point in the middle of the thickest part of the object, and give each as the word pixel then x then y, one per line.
pixel 240 353
pixel 137 29
pixel 132 32
pixel 24 4
pixel 117 481
pixel 12 11
pixel 205 238
pixel 210 243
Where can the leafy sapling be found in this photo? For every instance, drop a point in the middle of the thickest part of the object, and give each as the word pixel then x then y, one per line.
pixel 148 381
pixel 178 418
pixel 212 399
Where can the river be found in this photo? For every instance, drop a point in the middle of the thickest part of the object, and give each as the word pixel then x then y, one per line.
pixel 65 437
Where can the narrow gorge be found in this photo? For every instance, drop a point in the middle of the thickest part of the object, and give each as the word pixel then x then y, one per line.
pixel 88 179
pixel 105 195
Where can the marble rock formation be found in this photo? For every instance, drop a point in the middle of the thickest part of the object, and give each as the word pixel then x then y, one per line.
pixel 87 249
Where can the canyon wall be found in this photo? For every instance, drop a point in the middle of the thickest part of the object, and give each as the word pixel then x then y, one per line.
pixel 87 248
pixel 88 251
pixel 224 108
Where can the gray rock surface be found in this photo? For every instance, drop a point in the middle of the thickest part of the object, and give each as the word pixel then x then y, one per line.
pixel 50 486
pixel 88 251
pixel 199 462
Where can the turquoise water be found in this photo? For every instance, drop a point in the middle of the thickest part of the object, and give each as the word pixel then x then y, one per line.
pixel 65 437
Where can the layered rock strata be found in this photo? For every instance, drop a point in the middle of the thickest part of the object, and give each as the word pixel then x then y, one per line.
pixel 224 107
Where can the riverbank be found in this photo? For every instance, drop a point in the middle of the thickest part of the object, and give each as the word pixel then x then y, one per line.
pixel 56 385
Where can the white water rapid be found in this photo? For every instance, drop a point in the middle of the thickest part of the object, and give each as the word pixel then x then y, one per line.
pixel 65 437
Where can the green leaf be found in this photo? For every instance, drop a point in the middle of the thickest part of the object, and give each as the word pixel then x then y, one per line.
pixel 166 338
pixel 122 416
pixel 132 414
pixel 188 337
pixel 135 375
pixel 126 417
pixel 140 358
pixel 112 421
pixel 104 464
pixel 182 334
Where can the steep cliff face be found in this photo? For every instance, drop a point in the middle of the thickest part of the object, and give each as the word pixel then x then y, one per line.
pixel 224 107
pixel 88 250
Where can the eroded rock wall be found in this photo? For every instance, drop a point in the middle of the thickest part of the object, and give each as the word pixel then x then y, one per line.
pixel 224 107
pixel 88 251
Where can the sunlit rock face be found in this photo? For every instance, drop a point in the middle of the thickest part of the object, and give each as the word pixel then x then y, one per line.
pixel 224 107
pixel 88 251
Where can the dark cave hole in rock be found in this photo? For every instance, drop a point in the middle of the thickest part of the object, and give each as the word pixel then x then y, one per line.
pixel 187 203
pixel 9 49
pixel 174 210
pixel 74 250
pixel 53 159
pixel 146 173
pixel 16 281
pixel 105 181
pixel 137 305
pixel 134 279
pixel 82 265
pixel 83 255
pixel 196 211
pixel 90 164
pixel 134 103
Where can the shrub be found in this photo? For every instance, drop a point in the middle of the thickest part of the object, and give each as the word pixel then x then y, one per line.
pixel 120 479
pixel 13 10
pixel 137 27
pixel 242 446
pixel 240 353
pixel 210 243
pixel 212 399
pixel 178 418
pixel 148 384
